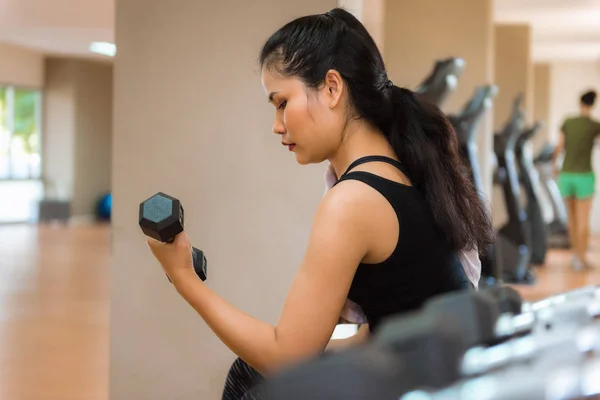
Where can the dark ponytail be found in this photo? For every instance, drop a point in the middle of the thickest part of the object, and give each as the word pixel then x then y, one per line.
pixel 419 133
pixel 427 145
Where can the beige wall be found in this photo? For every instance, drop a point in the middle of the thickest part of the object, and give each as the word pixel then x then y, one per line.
pixel 418 32
pixel 569 81
pixel 542 99
pixel 20 66
pixel 199 129
pixel 77 131
pixel 513 70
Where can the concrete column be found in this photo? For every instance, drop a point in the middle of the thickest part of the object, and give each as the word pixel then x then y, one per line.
pixel 513 70
pixel 59 129
pixel 417 32
pixel 77 132
pixel 513 74
pixel 542 102
pixel 191 119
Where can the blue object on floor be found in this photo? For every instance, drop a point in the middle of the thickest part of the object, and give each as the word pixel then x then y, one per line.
pixel 104 207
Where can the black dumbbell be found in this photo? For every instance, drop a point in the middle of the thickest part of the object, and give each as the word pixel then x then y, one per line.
pixel 509 300
pixel 408 351
pixel 424 351
pixel 477 312
pixel 431 344
pixel 562 365
pixel 480 313
pixel 161 218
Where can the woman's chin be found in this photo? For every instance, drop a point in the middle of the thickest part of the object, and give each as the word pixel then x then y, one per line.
pixel 300 159
pixel 303 160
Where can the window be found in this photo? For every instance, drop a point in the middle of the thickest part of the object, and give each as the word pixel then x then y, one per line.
pixel 20 152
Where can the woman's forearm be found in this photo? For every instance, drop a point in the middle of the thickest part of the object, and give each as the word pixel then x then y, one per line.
pixel 251 339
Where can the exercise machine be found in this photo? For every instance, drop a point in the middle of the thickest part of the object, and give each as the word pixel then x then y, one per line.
pixel 442 81
pixel 464 345
pixel 529 177
pixel 466 125
pixel 558 228
pixel 511 247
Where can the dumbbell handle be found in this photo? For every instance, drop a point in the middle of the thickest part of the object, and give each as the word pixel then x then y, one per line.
pixel 199 261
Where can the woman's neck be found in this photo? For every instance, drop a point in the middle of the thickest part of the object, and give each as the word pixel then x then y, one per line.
pixel 359 140
pixel 585 111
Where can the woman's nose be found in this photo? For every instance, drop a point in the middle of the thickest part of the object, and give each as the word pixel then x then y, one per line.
pixel 278 127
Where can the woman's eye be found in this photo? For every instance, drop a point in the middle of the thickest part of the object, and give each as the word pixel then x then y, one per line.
pixel 282 105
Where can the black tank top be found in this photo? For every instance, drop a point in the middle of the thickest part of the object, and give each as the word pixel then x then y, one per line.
pixel 420 267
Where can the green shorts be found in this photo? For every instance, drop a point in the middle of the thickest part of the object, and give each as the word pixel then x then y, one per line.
pixel 579 185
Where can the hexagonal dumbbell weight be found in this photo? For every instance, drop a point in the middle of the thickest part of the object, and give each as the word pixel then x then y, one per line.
pixel 161 218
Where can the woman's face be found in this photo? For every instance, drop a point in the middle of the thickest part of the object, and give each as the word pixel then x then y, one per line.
pixel 309 121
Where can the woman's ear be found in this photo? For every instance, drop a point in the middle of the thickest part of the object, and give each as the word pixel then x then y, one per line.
pixel 335 86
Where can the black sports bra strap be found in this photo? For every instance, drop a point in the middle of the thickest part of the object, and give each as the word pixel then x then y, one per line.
pixel 367 159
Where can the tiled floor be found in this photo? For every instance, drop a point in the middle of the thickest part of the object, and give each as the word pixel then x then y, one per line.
pixel 54 313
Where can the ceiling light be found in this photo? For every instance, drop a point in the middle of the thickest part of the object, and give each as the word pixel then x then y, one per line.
pixel 104 48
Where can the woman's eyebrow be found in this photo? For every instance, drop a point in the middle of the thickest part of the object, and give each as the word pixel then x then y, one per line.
pixel 271 96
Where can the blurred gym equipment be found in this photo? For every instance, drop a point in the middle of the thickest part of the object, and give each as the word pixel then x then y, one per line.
pixel 529 177
pixel 511 247
pixel 466 126
pixel 558 231
pixel 446 350
pixel 442 81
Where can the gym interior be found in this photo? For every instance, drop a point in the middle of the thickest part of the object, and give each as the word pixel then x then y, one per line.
pixel 105 103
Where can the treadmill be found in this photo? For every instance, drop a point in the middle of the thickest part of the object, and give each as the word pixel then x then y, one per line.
pixel 442 81
pixel 511 248
pixel 529 177
pixel 465 125
pixel 558 227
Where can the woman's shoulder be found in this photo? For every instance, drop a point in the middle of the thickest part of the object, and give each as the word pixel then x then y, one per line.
pixel 352 199
pixel 349 195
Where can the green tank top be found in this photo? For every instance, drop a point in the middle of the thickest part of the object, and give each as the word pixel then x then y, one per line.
pixel 580 133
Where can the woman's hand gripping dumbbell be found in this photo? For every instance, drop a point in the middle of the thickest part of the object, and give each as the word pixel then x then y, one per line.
pixel 161 218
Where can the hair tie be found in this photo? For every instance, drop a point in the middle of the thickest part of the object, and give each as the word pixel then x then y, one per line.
pixel 390 84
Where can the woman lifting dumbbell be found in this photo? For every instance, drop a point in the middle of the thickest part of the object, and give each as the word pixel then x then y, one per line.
pixel 387 234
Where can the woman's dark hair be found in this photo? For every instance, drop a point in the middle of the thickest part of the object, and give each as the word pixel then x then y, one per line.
pixel 589 98
pixel 419 133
